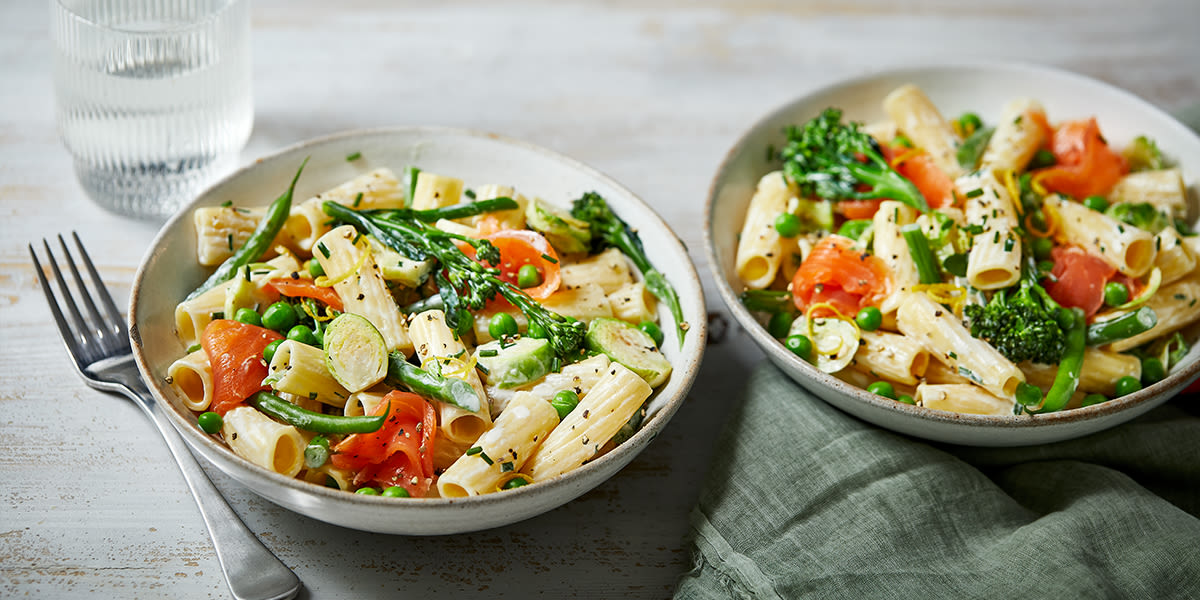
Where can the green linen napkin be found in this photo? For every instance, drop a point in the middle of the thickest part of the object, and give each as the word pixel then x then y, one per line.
pixel 804 500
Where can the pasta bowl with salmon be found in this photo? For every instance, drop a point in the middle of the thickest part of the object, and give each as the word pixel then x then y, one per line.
pixel 984 254
pixel 418 330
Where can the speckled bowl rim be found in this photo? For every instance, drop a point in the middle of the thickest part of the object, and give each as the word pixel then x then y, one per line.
pixel 687 368
pixel 1178 379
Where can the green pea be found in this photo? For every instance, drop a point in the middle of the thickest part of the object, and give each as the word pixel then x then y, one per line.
pixel 269 350
pixel 279 317
pixel 528 276
pixel 564 402
pixel 1041 159
pixel 1091 399
pixel 210 422
pixel 303 334
pixel 869 318
pixel 800 345
pixel 367 491
pixel 1028 394
pixel 1153 370
pixel 652 329
pixel 248 316
pixel 906 399
pixel 780 324
pixel 1042 247
pixel 1127 385
pixel 314 268
pixel 1115 293
pixel 534 330
pixel 882 388
pixel 788 225
pixel 515 483
pixel 316 453
pixel 1096 203
pixel 502 325
pixel 1039 220
pixel 970 122
pixel 396 492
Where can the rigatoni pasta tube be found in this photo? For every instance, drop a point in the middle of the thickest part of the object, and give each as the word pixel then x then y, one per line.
pixel 1162 188
pixel 220 230
pixel 585 302
pixel 917 117
pixel 962 398
pixel 503 449
pixel 308 222
pixel 891 356
pixel 437 344
pixel 270 445
pixel 192 376
pixel 594 421
pixel 946 339
pixel 297 368
pixel 1016 139
pixel 1128 249
pixel 1173 257
pixel 633 303
pixel 760 247
pixel 891 248
pixel 348 263
pixel 995 258
pixel 1101 370
pixel 1177 306
pixel 435 191
pixel 609 270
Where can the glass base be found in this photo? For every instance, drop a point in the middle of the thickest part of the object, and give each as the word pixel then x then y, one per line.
pixel 149 191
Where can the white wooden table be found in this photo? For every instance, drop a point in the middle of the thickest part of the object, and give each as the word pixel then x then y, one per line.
pixel 653 94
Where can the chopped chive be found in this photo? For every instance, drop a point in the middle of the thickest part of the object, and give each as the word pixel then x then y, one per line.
pixel 506 466
pixel 323 249
pixel 550 259
pixel 227 204
pixel 483 368
pixel 1008 244
pixel 247 272
pixel 193 348
pixel 487 459
pixel 488 353
pixel 975 193
pixel 358 199
pixel 230 239
pixel 353 156
pixel 470 194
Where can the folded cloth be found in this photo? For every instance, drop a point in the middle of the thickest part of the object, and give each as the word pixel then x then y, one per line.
pixel 806 501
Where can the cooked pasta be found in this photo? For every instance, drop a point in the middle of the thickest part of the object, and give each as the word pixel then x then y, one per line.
pixel 1000 268
pixel 416 347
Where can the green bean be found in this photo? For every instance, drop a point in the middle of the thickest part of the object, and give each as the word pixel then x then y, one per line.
pixel 314 421
pixel 769 301
pixel 918 246
pixel 1124 326
pixel 258 242
pixel 455 211
pixel 451 390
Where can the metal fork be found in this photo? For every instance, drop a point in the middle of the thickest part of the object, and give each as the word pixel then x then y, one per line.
pixel 101 353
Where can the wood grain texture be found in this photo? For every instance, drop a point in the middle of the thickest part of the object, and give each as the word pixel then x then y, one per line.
pixel 652 94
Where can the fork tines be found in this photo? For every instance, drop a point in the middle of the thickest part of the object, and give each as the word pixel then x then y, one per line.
pixel 89 340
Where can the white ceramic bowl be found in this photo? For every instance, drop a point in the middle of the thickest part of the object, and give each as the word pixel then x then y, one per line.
pixel 983 88
pixel 169 271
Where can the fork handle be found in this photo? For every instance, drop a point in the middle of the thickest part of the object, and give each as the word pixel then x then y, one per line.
pixel 251 570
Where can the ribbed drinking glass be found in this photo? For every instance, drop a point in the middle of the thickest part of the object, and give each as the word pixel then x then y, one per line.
pixel 153 96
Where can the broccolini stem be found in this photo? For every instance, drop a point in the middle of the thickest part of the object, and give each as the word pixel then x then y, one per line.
pixel 457 211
